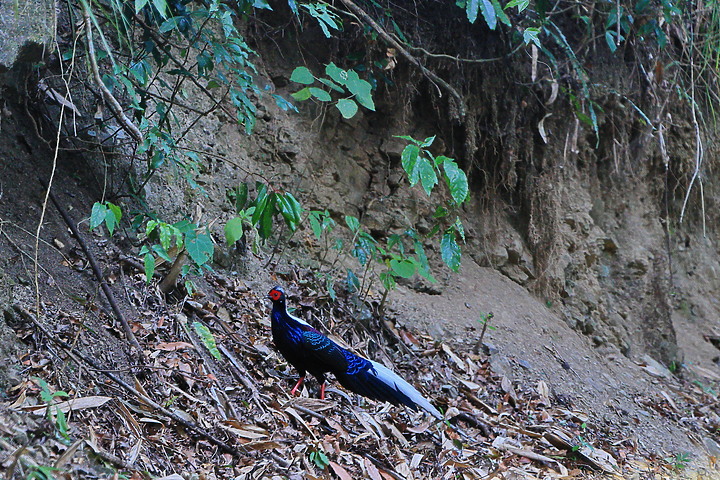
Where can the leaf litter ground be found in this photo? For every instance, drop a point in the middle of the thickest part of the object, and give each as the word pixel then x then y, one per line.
pixel 494 428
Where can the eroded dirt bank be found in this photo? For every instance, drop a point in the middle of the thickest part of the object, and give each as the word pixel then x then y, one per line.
pixel 573 244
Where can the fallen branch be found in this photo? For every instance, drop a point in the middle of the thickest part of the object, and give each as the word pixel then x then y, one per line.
pixel 395 44
pixel 124 385
pixel 98 274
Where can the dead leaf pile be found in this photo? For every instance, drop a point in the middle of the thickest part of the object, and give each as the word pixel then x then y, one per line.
pixel 493 428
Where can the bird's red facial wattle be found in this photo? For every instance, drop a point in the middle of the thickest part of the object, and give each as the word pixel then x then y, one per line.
pixel 275 295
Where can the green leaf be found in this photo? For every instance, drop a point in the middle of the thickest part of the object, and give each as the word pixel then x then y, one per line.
pixel 315 224
pixel 149 267
pixel 427 142
pixel 115 210
pixel 233 230
pixel 162 253
pixel 110 220
pixel 459 228
pixel 409 158
pixel 302 75
pixel 171 24
pixel 262 4
pixel 97 215
pixel 161 6
pixel 320 94
pixel 408 138
pixel 427 174
pixel 521 4
pixel 361 89
pixel 531 35
pixel 290 210
pixel 450 250
pixel 208 339
pixel 471 10
pixel 260 202
pixel 610 40
pixel 336 73
pixel 331 84
pixel 404 268
pixel 352 222
pixel 501 13
pixel 348 108
pixel 388 280
pixel 488 12
pixel 199 246
pixel 265 226
pixel 302 95
pixel 456 180
pixel 140 4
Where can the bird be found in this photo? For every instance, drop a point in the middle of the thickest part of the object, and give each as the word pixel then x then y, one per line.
pixel 309 351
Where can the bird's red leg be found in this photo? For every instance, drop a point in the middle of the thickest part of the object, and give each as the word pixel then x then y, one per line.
pixel 322 391
pixel 297 385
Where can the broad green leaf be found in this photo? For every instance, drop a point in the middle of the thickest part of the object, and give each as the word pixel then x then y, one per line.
pixel 320 94
pixel 208 339
pixel 336 73
pixel 151 225
pixel 233 230
pixel 348 108
pixel 289 211
pixel 450 250
pixel 265 226
pixel 331 84
pixel 531 35
pixel 116 211
pixel 361 89
pixel 110 221
pixel 427 174
pixel 294 206
pixel 459 228
pixel 302 95
pixel 521 4
pixel 149 267
pixel 352 222
pixel 456 179
pixel 471 9
pixel 241 196
pixel 404 268
pixel 199 246
pixel 97 215
pixel 260 202
pixel 315 224
pixel 162 253
pixel 501 13
pixel 610 40
pixel 388 280
pixel 488 12
pixel 427 142
pixel 262 4
pixel 353 282
pixel 161 6
pixel 140 4
pixel 409 158
pixel 302 75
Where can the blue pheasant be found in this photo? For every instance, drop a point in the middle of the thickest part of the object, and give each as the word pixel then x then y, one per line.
pixel 308 350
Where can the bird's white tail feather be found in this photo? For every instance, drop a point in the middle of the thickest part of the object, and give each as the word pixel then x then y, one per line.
pixel 390 378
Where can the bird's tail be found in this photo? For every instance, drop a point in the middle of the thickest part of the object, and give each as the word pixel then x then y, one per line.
pixel 381 383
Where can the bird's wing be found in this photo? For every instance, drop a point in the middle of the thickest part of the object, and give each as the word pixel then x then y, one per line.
pixel 324 352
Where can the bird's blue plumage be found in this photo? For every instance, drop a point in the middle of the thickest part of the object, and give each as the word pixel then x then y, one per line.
pixel 308 350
